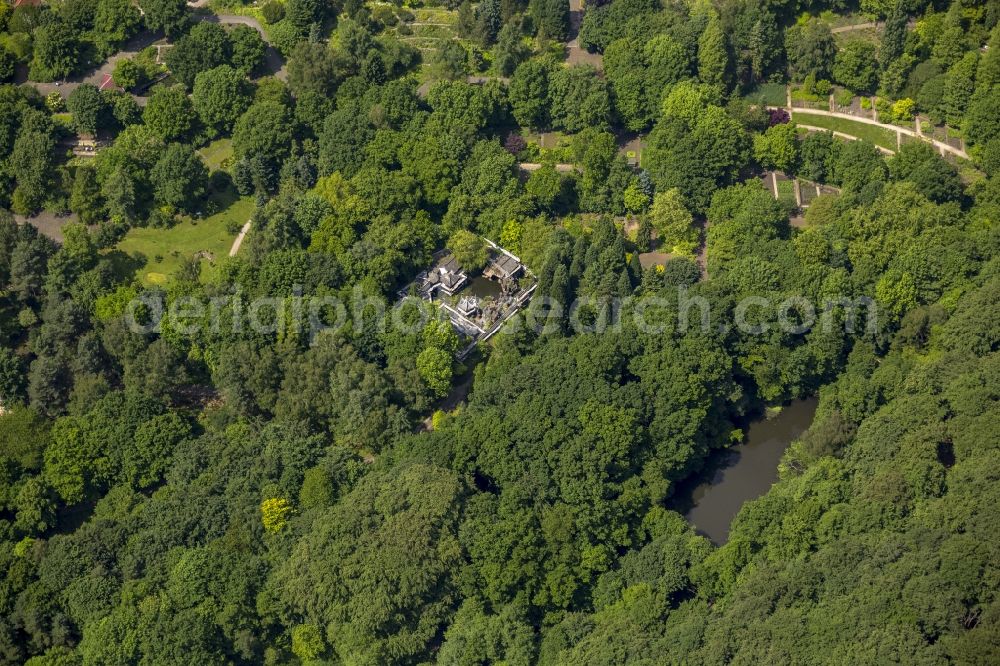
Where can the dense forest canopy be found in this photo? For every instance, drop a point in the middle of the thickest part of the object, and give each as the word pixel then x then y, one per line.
pixel 221 442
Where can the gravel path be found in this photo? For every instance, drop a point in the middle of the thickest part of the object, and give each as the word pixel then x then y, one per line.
pixel 239 239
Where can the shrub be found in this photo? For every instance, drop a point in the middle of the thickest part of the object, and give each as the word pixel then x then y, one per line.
pixel 514 143
pixel 777 117
pixel 883 109
pixel 843 97
pixel 55 102
pixel 272 12
pixel 902 110
pixel 823 88
pixel 384 15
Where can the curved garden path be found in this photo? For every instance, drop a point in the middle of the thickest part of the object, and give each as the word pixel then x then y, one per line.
pixel 273 61
pixel 941 146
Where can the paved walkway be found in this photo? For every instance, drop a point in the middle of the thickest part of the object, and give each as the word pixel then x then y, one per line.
pixel 48 223
pixel 574 54
pixel 106 68
pixel 535 166
pixel 273 62
pixel 877 25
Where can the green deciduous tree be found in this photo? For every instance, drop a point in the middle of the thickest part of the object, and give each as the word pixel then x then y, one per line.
pixel 695 146
pixel 179 177
pixel 87 107
pixel 435 368
pixel 207 46
pixel 170 16
pixel 529 92
pixel 265 129
pixel 169 113
pixel 248 48
pixel 375 528
pixel 7 62
pixel 470 250
pixel 778 148
pixel 56 52
pixel 856 66
pixel 674 222
pixel 114 22
pixel 578 99
pixel 548 187
pixel 221 96
pixel 127 73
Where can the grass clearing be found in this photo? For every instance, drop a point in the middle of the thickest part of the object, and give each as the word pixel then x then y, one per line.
pixel 877 135
pixel 869 35
pixel 217 154
pixel 165 249
pixel 434 15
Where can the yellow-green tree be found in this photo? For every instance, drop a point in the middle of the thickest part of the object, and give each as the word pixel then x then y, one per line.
pixel 674 222
pixel 307 642
pixel 274 513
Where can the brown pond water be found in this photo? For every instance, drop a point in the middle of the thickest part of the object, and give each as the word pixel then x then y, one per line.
pixel 742 473
pixel 482 287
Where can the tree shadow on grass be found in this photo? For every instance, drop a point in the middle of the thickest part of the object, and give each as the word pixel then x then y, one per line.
pixel 222 193
pixel 123 265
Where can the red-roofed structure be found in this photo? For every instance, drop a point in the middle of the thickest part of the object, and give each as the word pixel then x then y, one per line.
pixel 27 3
pixel 108 83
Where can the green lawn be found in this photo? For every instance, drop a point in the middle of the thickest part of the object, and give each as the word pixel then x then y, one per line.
pixel 786 192
pixel 164 249
pixel 877 135
pixel 217 154
pixel 773 94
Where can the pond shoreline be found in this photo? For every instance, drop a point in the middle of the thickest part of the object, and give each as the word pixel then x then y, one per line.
pixel 711 499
